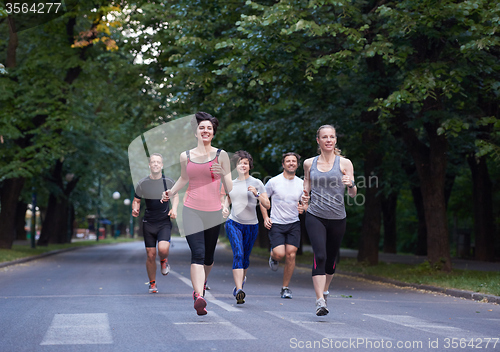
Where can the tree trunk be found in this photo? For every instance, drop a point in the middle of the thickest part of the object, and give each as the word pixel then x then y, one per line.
pixel 484 223
pixel 9 197
pixel 430 162
pixel 55 223
pixel 72 222
pixel 389 205
pixel 370 230
pixel 422 227
pixel 11 188
pixel 21 220
pixel 12 45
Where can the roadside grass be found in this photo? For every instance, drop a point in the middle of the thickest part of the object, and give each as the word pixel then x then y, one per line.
pixel 486 282
pixel 19 251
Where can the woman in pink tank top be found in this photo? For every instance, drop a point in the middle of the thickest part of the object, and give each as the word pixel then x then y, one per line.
pixel 204 168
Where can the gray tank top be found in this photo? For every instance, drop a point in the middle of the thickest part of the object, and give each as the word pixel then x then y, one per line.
pixel 327 192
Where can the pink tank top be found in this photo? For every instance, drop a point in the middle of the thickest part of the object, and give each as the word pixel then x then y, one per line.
pixel 204 187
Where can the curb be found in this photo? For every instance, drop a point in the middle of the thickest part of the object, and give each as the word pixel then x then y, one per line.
pixel 475 296
pixel 46 254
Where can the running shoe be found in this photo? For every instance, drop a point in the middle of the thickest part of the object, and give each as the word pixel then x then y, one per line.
pixel 240 297
pixel 273 264
pixel 242 285
pixel 321 307
pixel 199 304
pixel 153 288
pixel 205 288
pixel 165 267
pixel 325 296
pixel 286 292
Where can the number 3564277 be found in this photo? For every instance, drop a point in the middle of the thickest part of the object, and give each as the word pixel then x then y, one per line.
pixel 40 7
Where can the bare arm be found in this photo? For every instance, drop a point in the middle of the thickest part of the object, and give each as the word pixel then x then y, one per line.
pixel 136 207
pixel 348 177
pixel 175 202
pixel 307 182
pixel 183 179
pixel 226 167
pixel 264 201
pixel 225 206
pixel 267 220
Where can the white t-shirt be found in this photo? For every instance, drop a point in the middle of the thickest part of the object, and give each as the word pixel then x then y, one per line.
pixel 285 196
pixel 244 202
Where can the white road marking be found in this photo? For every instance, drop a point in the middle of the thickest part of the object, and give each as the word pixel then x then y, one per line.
pixel 424 325
pixel 208 327
pixel 182 278
pixel 78 329
pixel 208 296
pixel 325 326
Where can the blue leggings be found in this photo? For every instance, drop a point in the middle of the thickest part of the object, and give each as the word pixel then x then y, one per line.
pixel 242 238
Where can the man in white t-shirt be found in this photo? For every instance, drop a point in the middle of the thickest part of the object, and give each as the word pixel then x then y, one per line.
pixel 285 191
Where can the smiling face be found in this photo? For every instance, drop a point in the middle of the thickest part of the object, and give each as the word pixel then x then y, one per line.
pixel 327 139
pixel 205 131
pixel 155 164
pixel 243 167
pixel 290 164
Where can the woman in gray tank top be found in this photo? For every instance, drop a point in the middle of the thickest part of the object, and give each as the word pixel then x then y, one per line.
pixel 325 179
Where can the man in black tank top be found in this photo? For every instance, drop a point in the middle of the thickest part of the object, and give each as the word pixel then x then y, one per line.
pixel 156 223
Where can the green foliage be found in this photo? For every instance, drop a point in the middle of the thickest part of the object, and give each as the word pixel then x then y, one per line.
pixel 272 72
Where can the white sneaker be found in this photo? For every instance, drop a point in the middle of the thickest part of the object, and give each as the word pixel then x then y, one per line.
pixel 273 264
pixel 165 267
pixel 153 288
pixel 286 292
pixel 325 296
pixel 321 307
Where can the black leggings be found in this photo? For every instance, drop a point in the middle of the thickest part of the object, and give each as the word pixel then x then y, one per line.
pixel 202 231
pixel 325 236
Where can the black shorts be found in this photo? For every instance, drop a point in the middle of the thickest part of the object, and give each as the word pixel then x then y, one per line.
pixel 285 234
pixel 155 232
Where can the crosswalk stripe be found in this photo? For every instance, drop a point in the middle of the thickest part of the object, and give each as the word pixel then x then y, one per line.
pixel 423 325
pixel 208 296
pixel 78 329
pixel 209 327
pixel 325 326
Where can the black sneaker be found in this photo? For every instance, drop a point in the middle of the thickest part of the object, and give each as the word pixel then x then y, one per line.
pixel 240 297
pixel 286 292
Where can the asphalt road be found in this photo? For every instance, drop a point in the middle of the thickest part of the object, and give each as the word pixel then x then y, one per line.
pixel 96 299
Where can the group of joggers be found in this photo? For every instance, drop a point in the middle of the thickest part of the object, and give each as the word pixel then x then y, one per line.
pixel 211 193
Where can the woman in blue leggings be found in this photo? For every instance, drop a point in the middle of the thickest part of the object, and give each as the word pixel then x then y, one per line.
pixel 242 227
